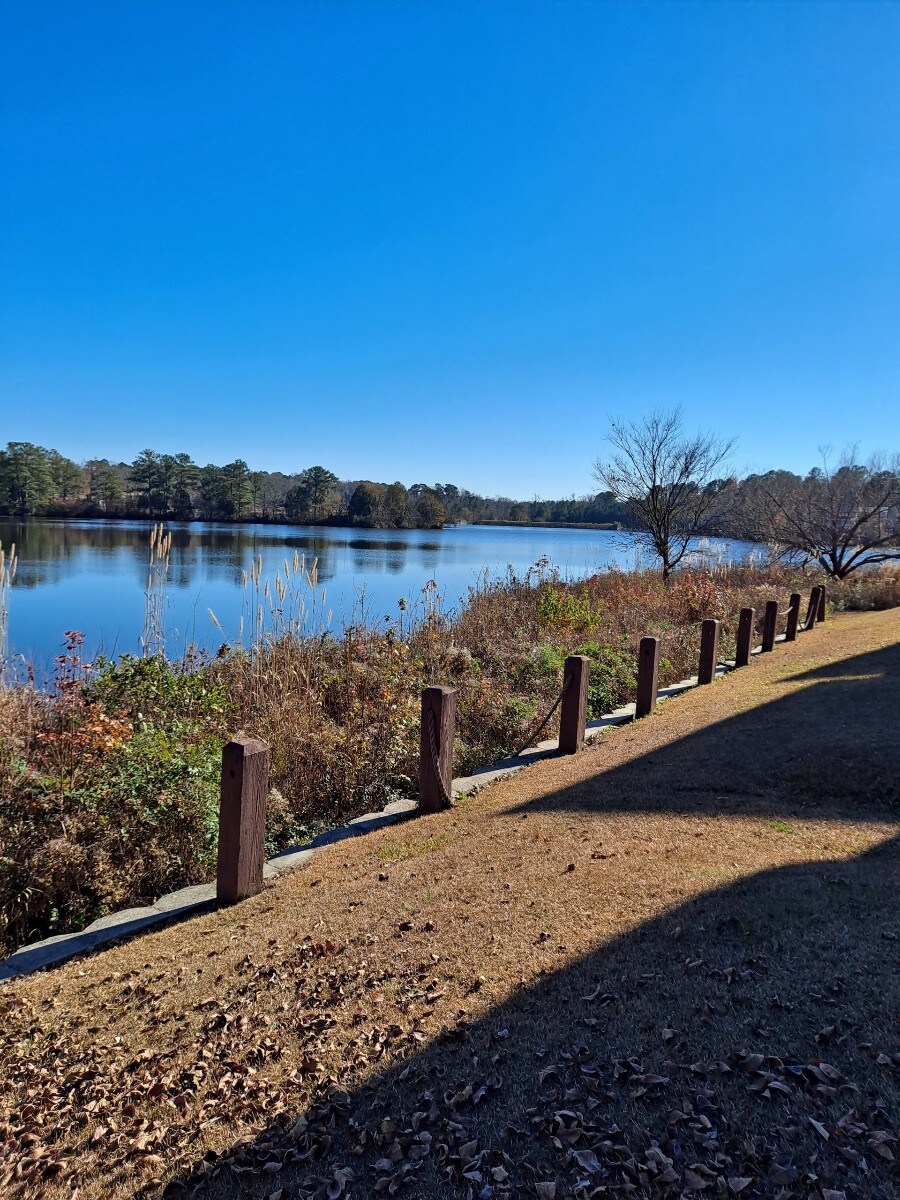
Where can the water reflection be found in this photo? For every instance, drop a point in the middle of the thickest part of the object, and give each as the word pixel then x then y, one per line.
pixel 91 575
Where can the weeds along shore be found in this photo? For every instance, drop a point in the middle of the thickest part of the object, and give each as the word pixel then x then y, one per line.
pixel 109 776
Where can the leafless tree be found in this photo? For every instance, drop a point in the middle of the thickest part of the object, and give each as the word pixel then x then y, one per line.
pixel 670 482
pixel 748 514
pixel 842 518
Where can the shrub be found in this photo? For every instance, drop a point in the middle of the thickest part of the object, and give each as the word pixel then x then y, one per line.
pixel 565 608
pixel 613 676
pixel 115 799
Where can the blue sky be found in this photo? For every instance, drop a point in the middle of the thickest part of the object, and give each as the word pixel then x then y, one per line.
pixel 447 242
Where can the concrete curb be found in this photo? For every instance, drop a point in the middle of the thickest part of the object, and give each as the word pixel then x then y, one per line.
pixel 187 902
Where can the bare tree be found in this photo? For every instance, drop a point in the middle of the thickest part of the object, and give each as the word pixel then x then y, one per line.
pixel 669 482
pixel 748 514
pixel 841 518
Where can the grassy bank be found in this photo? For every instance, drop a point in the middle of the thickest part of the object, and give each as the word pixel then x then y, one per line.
pixel 109 778
pixel 663 968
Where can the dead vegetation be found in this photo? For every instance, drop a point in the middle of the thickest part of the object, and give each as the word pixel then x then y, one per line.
pixel 666 968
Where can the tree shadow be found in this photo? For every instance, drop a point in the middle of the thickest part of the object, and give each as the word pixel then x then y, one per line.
pixel 804 755
pixel 742 1043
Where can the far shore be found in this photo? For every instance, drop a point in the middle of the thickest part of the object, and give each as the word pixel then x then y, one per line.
pixel 335 522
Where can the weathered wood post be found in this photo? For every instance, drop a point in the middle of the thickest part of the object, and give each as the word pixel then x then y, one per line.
pixel 820 615
pixel 709 651
pixel 242 819
pixel 436 748
pixel 812 610
pixel 745 637
pixel 793 620
pixel 648 676
pixel 573 713
pixel 770 626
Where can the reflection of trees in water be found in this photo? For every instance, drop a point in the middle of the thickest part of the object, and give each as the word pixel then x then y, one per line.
pixel 370 564
pixel 373 556
pixel 222 553
pixel 45 546
pixel 39 553
pixel 376 545
pixel 429 556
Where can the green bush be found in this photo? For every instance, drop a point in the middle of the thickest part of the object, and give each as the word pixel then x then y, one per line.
pixel 154 689
pixel 545 664
pixel 119 805
pixel 613 676
pixel 563 607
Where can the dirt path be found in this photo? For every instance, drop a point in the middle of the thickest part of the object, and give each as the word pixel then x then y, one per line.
pixel 669 966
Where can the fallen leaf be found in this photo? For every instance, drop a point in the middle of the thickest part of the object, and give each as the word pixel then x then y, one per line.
pixel 820 1128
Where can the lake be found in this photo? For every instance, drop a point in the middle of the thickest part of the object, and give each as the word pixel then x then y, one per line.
pixel 92 575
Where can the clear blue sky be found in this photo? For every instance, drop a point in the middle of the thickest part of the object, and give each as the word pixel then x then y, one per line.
pixel 446 242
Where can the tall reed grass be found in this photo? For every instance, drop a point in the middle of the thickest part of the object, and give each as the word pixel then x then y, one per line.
pixel 8 567
pixel 156 596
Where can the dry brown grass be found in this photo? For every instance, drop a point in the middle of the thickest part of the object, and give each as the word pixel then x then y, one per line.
pixel 670 964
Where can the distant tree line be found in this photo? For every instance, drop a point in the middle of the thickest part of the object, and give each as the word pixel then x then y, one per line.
pixel 658 481
pixel 35 481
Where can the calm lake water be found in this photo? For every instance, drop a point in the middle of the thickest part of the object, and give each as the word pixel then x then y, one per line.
pixel 92 575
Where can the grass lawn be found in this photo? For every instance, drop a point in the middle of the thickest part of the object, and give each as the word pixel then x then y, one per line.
pixel 669 966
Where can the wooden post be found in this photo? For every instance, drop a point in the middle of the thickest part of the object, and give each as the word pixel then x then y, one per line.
pixel 439 707
pixel 790 634
pixel 242 819
pixel 770 626
pixel 745 637
pixel 820 616
pixel 709 651
pixel 648 676
pixel 812 610
pixel 573 713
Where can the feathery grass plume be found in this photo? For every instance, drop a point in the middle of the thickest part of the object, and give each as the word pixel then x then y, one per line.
pixel 156 596
pixel 8 564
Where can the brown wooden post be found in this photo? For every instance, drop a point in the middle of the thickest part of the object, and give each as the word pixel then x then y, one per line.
pixel 820 616
pixel 709 651
pixel 573 713
pixel 793 620
pixel 439 717
pixel 770 626
pixel 745 637
pixel 812 610
pixel 242 819
pixel 648 676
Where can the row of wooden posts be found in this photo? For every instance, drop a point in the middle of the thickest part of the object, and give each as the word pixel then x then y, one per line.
pixel 245 761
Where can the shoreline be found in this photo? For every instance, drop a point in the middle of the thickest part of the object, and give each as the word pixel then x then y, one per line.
pixel 328 523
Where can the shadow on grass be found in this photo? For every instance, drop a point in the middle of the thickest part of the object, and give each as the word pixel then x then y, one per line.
pixel 744 1043
pixel 830 749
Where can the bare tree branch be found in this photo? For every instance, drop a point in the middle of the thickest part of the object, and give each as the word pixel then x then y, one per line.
pixel 842 518
pixel 669 482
